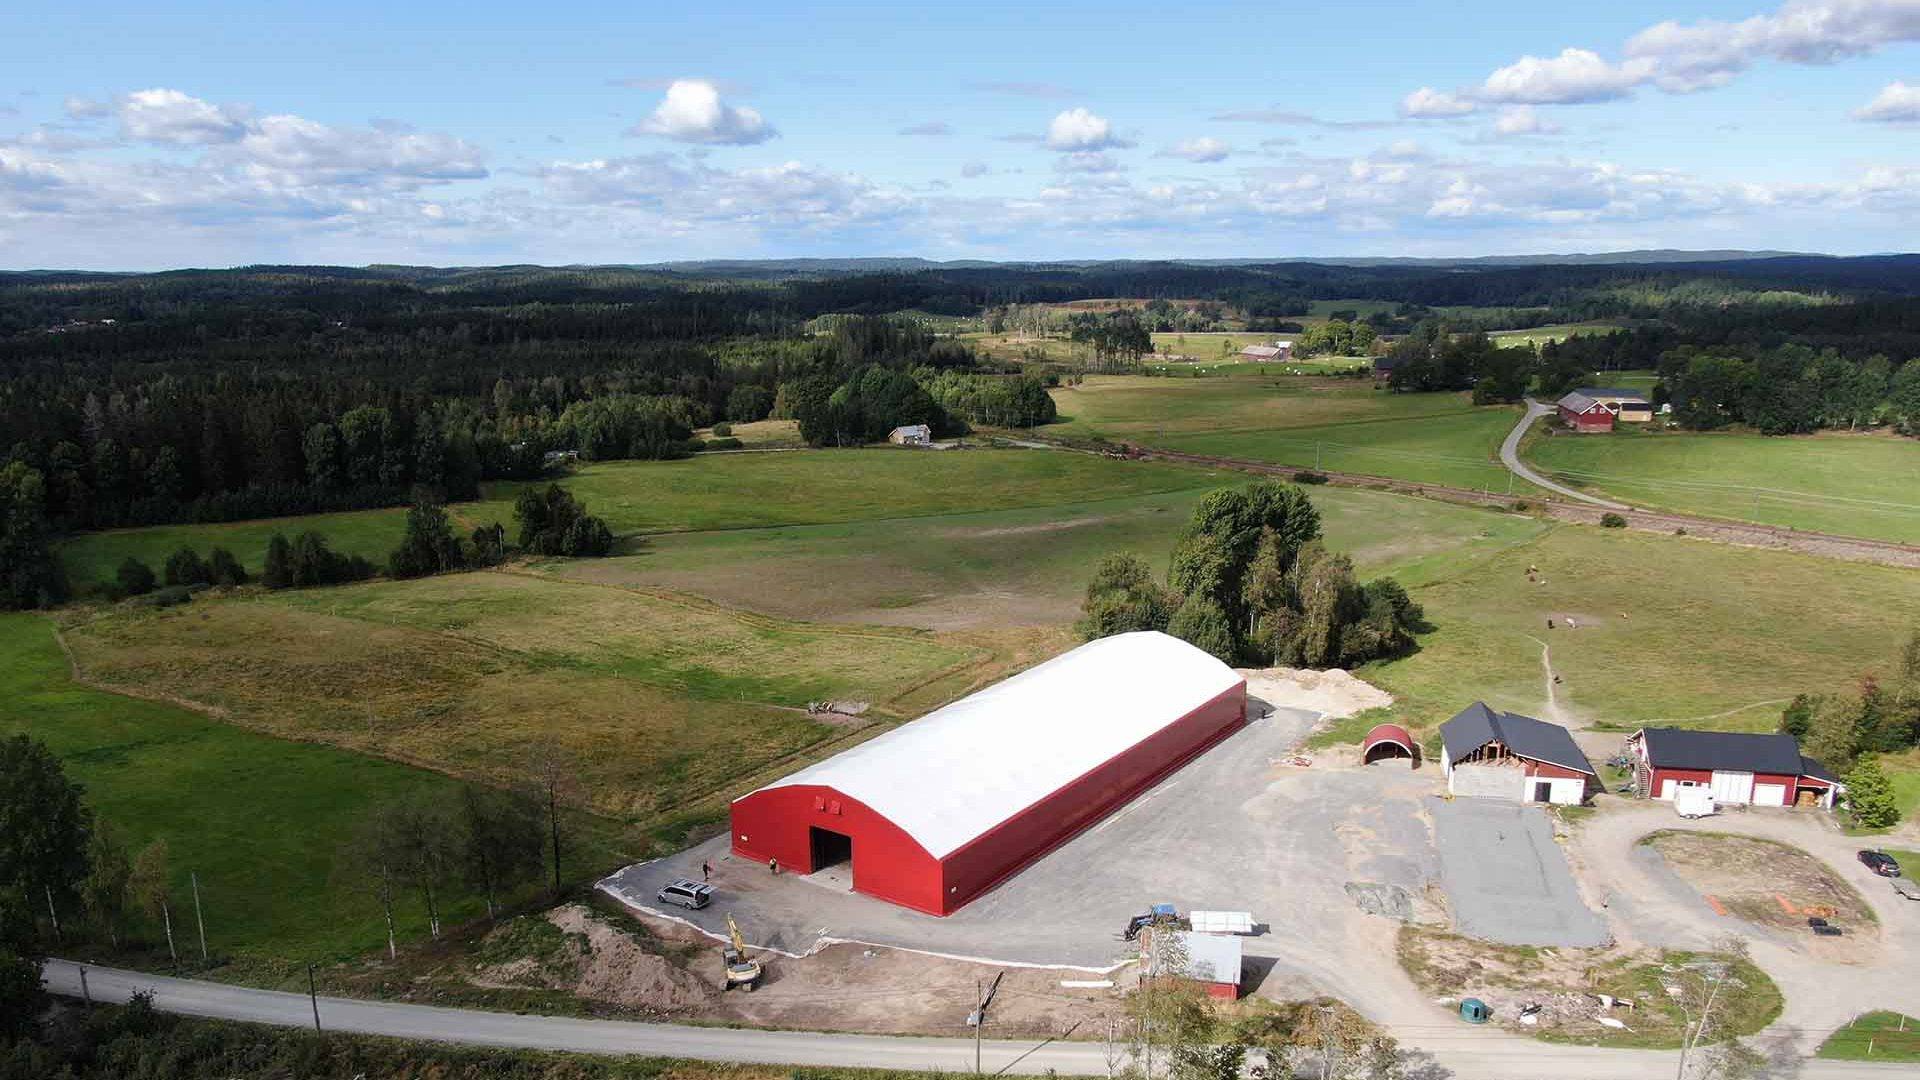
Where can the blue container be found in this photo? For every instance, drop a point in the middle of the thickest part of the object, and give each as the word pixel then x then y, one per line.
pixel 1475 1011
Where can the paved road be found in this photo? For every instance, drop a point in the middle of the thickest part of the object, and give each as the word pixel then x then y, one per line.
pixel 1469 1057
pixel 1510 456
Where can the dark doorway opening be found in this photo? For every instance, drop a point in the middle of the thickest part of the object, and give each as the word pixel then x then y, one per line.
pixel 1542 791
pixel 830 848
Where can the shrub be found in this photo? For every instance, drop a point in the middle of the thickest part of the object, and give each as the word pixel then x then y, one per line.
pixel 225 568
pixel 1870 795
pixel 186 567
pixel 134 577
pixel 1612 520
pixel 166 596
pixel 723 429
pixel 723 444
pixel 1305 477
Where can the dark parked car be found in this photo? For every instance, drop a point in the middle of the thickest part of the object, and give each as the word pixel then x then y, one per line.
pixel 688 894
pixel 1880 863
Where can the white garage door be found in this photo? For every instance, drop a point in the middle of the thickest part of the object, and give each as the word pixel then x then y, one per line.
pixel 1732 787
pixel 1769 794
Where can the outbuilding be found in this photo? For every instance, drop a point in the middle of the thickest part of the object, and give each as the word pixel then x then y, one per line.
pixel 1739 768
pixel 1628 406
pixel 1279 350
pixel 1582 413
pixel 911 435
pixel 1508 756
pixel 1211 962
pixel 942 809
pixel 1387 742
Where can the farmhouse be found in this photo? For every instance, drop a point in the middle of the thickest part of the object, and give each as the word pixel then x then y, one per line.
pixel 1383 367
pixel 1629 406
pixel 1738 768
pixel 1279 350
pixel 911 435
pixel 942 809
pixel 1509 756
pixel 1582 413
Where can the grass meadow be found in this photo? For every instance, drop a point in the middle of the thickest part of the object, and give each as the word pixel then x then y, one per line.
pixel 92 558
pixel 1854 484
pixel 257 818
pixel 1335 424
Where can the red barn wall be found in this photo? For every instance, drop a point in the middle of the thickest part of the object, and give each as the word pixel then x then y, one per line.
pixel 887 863
pixel 1006 849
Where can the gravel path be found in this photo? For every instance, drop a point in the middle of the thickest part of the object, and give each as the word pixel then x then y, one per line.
pixel 1510 456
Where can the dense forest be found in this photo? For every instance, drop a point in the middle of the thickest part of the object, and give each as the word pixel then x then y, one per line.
pixel 220 395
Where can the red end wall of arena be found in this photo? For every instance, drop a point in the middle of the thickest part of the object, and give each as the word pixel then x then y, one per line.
pixel 890 865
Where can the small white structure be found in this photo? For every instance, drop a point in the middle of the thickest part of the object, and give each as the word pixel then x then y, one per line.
pixel 911 435
pixel 1279 350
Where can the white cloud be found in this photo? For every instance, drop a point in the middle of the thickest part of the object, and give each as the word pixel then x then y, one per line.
pixel 1575 76
pixel 1687 58
pixel 975 168
pixel 80 108
pixel 1080 130
pixel 1896 103
pixel 1090 162
pixel 1202 150
pixel 168 116
pixel 308 152
pixel 1522 120
pixel 1427 103
pixel 677 197
pixel 930 129
pixel 692 111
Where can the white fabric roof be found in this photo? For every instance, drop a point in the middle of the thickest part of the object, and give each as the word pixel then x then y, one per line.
pixel 957 772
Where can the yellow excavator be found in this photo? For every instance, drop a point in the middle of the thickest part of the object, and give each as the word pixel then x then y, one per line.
pixel 742 970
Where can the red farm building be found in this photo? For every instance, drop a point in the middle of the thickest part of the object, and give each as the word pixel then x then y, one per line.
pixel 942 809
pixel 1737 768
pixel 1504 755
pixel 1583 413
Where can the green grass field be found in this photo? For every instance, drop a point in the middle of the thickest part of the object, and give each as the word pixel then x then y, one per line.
pixel 1337 424
pixel 92 558
pixel 1669 630
pixel 1856 485
pixel 1018 567
pixel 740 491
pixel 1875 1036
pixel 1540 335
pixel 659 700
pixel 257 818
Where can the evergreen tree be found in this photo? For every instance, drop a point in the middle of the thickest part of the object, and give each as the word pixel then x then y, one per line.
pixel 185 567
pixel 429 546
pixel 226 569
pixel 1201 623
pixel 1870 794
pixel 278 571
pixel 30 573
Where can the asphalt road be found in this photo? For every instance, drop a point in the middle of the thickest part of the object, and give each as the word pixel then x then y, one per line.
pixel 1463 1054
pixel 1510 456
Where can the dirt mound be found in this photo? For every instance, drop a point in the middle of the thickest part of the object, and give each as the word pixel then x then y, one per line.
pixel 1332 693
pixel 574 950
pixel 615 968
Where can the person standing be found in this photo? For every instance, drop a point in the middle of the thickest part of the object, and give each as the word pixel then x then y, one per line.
pixel 706 870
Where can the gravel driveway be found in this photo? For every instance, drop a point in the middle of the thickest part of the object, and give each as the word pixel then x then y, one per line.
pixel 1507 879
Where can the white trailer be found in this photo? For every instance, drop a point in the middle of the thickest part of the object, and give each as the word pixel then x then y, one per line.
pixel 1693 802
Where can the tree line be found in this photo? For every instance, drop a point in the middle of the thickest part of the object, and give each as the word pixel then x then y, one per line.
pixel 1849 733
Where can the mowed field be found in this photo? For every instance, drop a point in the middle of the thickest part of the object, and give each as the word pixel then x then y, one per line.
pixel 1854 484
pixel 257 818
pixel 1341 425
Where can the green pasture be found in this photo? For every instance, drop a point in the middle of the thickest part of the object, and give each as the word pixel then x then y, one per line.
pixel 92 558
pixel 1865 484
pixel 257 818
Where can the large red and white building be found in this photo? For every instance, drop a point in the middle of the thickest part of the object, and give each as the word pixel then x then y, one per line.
pixel 1735 767
pixel 938 811
pixel 1583 413
pixel 1503 755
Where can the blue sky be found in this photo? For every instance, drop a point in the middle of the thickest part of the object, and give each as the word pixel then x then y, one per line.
pixel 218 134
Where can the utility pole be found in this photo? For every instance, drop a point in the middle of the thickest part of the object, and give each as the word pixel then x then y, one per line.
pixel 52 913
pixel 979 1020
pixel 313 995
pixel 198 917
pixel 86 995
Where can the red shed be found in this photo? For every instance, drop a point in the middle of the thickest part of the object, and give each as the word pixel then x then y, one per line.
pixel 1386 741
pixel 1736 767
pixel 1582 413
pixel 938 811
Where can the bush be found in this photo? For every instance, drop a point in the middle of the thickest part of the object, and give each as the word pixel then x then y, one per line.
pixel 226 569
pixel 1870 795
pixel 134 577
pixel 186 567
pixel 723 429
pixel 166 596
pixel 1612 520
pixel 723 444
pixel 1305 477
